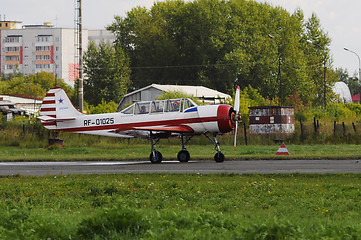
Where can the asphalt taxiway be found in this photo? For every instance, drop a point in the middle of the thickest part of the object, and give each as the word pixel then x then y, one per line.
pixel 201 166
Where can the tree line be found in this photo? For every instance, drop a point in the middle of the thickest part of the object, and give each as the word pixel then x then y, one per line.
pixel 214 43
pixel 220 44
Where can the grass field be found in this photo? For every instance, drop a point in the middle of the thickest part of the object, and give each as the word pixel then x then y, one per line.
pixel 171 206
pixel 141 151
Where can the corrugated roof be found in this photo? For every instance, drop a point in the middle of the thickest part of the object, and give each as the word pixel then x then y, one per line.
pixel 196 91
pixel 20 100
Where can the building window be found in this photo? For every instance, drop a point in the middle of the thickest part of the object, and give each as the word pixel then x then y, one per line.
pixel 12 58
pixel 12 49
pixel 42 48
pixel 12 39
pixel 10 67
pixel 42 66
pixel 43 57
pixel 43 38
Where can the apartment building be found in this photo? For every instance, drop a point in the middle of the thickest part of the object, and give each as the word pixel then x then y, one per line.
pixel 34 48
pixel 10 24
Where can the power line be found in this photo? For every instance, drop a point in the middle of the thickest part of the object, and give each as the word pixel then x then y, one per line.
pixel 188 66
pixel 175 66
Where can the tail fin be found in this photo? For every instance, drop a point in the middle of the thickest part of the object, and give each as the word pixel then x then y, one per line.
pixel 57 107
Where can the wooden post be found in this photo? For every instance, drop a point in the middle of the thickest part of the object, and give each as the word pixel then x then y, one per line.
pixel 354 127
pixel 314 124
pixel 245 133
pixel 334 127
pixel 302 132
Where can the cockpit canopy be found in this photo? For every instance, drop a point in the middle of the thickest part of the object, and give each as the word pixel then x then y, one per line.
pixel 160 106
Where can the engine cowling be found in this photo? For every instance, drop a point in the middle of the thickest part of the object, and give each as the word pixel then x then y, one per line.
pixel 217 118
pixel 225 118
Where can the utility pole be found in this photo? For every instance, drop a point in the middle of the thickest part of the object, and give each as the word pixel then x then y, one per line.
pixel 324 73
pixel 279 76
pixel 80 49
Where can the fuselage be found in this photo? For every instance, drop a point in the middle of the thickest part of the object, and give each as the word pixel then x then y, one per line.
pixel 138 120
pixel 201 119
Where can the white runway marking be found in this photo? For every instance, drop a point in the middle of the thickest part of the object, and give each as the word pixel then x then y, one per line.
pixel 79 163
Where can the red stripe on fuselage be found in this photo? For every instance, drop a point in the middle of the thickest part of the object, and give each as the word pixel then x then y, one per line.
pixel 49 102
pixel 50 95
pixel 131 126
pixel 47 109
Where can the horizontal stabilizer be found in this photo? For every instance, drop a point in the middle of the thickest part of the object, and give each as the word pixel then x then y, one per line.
pixel 52 119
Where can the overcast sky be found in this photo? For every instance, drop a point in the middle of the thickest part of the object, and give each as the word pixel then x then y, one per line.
pixel 340 19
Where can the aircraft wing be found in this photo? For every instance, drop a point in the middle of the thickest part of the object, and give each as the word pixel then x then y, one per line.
pixel 52 119
pixel 175 129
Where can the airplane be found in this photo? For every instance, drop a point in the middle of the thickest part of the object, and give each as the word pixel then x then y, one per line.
pixel 146 119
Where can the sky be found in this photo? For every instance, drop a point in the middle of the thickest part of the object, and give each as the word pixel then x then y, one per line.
pixel 340 19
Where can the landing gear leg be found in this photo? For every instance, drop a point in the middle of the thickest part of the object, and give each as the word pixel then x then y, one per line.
pixel 155 156
pixel 219 156
pixel 183 155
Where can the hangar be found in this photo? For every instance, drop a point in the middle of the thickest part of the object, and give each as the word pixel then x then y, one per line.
pixel 29 104
pixel 342 90
pixel 151 92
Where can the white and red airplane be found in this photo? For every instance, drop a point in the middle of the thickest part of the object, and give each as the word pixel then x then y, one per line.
pixel 151 119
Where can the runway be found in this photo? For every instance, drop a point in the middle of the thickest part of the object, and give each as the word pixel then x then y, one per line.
pixel 201 166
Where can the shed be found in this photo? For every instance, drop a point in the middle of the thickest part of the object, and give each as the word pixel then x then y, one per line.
pixel 151 92
pixel 271 120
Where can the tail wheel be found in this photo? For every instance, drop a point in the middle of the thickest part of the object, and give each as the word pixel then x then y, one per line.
pixel 183 156
pixel 219 157
pixel 155 157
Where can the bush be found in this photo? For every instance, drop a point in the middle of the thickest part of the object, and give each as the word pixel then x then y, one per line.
pixel 103 107
pixel 114 222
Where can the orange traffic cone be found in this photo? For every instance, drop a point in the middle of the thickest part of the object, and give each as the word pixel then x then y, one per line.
pixel 282 150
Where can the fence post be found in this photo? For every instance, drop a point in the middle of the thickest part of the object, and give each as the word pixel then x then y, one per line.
pixel 314 124
pixel 302 132
pixel 245 133
pixel 334 127
pixel 354 127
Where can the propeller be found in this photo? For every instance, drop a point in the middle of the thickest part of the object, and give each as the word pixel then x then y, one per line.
pixel 236 116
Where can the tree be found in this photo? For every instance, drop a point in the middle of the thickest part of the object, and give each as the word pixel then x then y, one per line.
pixel 318 51
pixel 107 73
pixel 352 82
pixel 220 44
pixel 35 85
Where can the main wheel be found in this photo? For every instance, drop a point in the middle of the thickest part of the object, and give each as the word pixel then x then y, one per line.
pixel 219 157
pixel 183 156
pixel 155 157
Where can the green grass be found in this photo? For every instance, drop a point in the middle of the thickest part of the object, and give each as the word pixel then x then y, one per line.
pixel 198 152
pixel 172 206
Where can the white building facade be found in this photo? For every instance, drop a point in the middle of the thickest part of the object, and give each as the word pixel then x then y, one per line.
pixel 35 48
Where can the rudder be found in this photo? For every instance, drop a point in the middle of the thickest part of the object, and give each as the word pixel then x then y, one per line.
pixel 56 104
